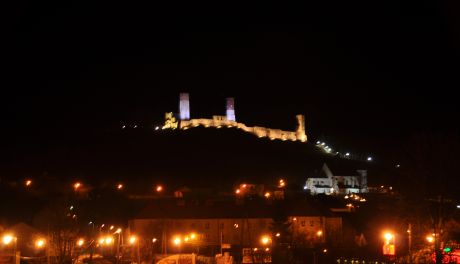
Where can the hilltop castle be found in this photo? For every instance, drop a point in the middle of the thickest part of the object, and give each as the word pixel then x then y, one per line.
pixel 229 120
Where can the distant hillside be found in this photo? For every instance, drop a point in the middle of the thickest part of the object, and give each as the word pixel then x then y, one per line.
pixel 199 157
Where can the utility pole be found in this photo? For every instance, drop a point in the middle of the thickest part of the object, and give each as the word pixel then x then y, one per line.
pixel 437 231
pixel 409 231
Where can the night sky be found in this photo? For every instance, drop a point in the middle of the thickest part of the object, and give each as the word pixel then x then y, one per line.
pixel 366 74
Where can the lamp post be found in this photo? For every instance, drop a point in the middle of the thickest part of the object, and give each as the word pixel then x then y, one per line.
pixel 389 245
pixel 7 239
pixel 133 240
pixel 118 243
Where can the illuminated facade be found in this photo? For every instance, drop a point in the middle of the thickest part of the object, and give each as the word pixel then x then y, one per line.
pixel 231 109
pixel 229 121
pixel 184 106
pixel 334 184
pixel 237 225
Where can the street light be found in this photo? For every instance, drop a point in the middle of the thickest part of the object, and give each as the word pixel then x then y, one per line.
pixel 80 242
pixel 76 186
pixel 430 238
pixel 7 239
pixel 118 231
pixel 265 240
pixel 389 245
pixel 39 243
pixel 133 240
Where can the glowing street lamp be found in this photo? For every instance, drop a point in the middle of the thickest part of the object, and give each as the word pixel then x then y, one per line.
pixel 177 241
pixel 388 237
pixel 159 188
pixel 76 186
pixel 7 239
pixel 389 245
pixel 80 242
pixel 28 183
pixel 39 243
pixel 132 240
pixel 319 233
pixel 265 240
pixel 237 191
pixel 430 238
pixel 267 195
pixel 108 240
pixel 282 183
pixel 119 186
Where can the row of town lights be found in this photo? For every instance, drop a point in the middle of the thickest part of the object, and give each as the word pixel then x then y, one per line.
pixel 178 239
pixel 281 184
pixel 78 185
pixel 39 243
pixel 328 149
pixel 355 197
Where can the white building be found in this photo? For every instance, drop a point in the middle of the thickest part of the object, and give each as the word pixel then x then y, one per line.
pixel 326 182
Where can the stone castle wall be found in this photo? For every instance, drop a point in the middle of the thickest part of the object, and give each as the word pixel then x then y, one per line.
pixel 261 132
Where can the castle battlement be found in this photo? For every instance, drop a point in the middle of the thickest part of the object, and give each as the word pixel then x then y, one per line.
pixel 219 121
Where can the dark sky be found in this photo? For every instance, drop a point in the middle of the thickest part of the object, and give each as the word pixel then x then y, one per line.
pixel 365 73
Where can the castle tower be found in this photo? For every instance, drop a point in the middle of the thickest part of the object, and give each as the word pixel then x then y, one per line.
pixel 184 106
pixel 300 132
pixel 231 109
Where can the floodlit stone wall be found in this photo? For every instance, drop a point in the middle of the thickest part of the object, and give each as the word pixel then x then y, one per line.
pixel 261 132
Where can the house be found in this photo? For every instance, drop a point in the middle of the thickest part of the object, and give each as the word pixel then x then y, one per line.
pixel 340 181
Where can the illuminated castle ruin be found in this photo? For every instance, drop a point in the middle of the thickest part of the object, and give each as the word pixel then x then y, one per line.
pixel 229 120
pixel 184 106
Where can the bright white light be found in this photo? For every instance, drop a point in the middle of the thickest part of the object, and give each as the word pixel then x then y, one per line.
pixel 458 206
pixel 305 187
pixel 7 239
pixel 265 240
pixel 132 240
pixel 318 142
pixel 388 236
pixel 369 158
pixel 80 242
pixel 40 243
pixel 347 154
pixel 177 241
pixel 157 128
pixel 322 144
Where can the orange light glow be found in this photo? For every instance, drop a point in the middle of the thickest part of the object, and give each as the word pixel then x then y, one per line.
pixel 159 188
pixel 28 182
pixel 77 185
pixel 120 186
